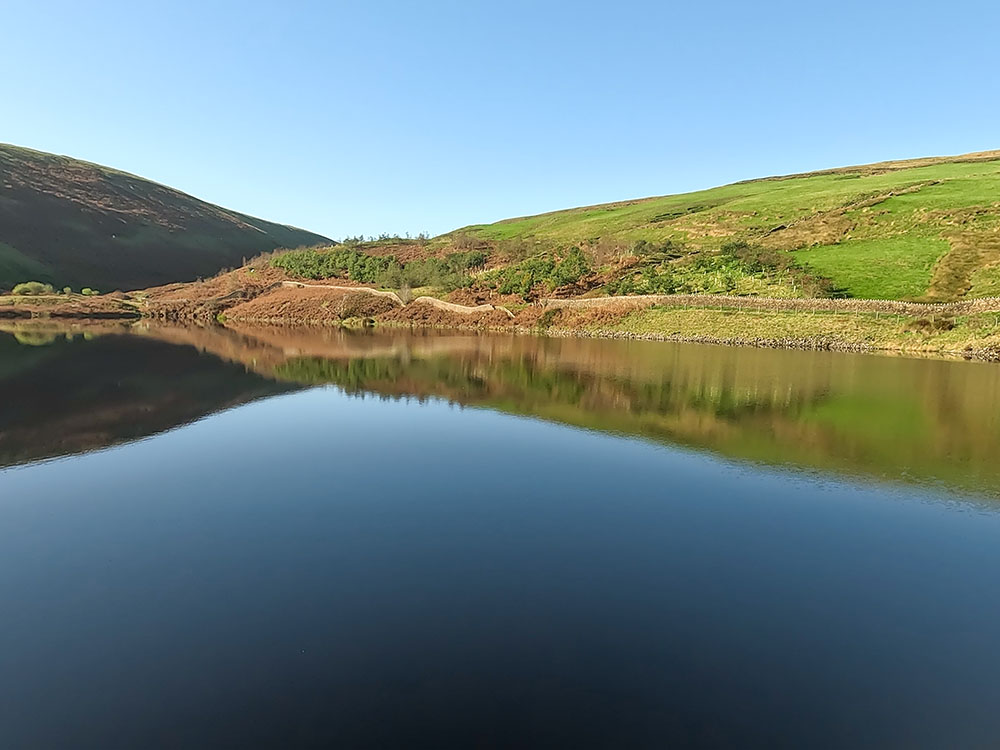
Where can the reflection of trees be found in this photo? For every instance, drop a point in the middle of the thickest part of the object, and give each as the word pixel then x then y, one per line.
pixel 913 420
pixel 843 422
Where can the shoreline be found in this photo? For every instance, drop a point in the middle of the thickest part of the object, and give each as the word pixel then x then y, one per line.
pixel 803 344
pixel 792 344
pixel 125 323
pixel 969 329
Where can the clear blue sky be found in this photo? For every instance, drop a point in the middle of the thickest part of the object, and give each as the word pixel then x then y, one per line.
pixel 364 117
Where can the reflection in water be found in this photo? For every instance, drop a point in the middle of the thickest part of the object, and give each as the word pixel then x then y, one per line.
pixel 66 394
pixel 909 420
pixel 320 570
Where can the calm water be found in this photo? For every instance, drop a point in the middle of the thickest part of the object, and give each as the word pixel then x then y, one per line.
pixel 312 539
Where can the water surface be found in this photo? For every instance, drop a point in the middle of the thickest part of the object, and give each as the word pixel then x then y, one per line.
pixel 391 540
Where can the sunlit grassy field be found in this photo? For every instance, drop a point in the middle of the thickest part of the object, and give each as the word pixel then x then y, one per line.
pixel 892 268
pixel 880 231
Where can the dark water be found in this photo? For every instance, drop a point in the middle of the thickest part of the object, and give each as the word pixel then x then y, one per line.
pixel 743 548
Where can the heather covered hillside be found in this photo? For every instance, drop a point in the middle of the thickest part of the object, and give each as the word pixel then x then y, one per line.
pixel 71 223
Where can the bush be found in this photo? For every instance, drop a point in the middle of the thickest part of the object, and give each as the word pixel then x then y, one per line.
pixel 30 288
pixel 549 318
pixel 464 241
pixel 522 278
pixel 724 272
pixel 88 292
pixel 932 324
pixel 763 261
pixel 447 273
pixel 652 280
pixel 334 263
pixel 665 249
pixel 571 269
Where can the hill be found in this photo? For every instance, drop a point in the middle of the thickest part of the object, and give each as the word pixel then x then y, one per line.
pixel 72 223
pixel 924 229
pixel 773 262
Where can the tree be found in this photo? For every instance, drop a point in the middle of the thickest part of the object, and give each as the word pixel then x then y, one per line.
pixel 33 288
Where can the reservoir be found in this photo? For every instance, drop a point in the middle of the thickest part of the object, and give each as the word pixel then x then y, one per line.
pixel 322 538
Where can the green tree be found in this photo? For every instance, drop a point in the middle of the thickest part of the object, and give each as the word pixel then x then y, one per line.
pixel 33 288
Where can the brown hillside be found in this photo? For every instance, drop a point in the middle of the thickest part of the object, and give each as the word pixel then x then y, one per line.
pixel 73 223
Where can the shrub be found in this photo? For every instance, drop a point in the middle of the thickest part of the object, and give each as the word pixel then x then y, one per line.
pixel 448 273
pixel 464 241
pixel 665 249
pixel 762 261
pixel 650 279
pixel 333 263
pixel 88 292
pixel 724 272
pixel 549 318
pixel 29 288
pixel 571 269
pixel 522 278
pixel 932 324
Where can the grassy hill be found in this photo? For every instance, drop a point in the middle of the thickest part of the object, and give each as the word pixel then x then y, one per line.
pixel 924 229
pixel 72 223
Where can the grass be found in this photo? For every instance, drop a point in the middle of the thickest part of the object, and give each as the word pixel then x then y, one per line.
pixel 752 205
pixel 847 330
pixel 893 268
pixel 875 232
pixel 986 282
pixel 748 325
pixel 922 230
pixel 15 265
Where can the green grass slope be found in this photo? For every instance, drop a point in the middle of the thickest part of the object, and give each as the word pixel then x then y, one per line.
pixel 924 229
pixel 78 224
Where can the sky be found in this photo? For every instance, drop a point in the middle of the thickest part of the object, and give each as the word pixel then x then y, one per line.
pixel 351 118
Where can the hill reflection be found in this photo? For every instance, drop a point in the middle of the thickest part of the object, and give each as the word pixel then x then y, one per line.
pixel 902 420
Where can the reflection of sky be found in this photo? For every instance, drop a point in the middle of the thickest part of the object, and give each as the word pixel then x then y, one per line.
pixel 393 567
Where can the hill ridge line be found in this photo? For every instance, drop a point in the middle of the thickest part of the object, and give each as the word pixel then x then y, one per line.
pixel 891 165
